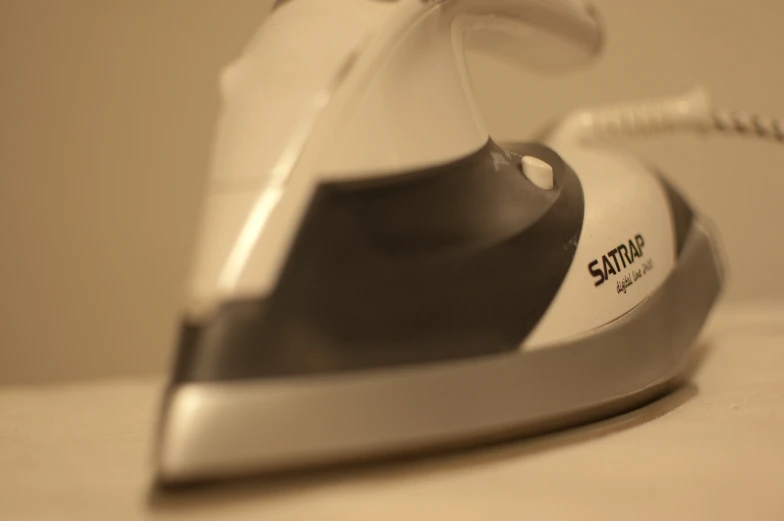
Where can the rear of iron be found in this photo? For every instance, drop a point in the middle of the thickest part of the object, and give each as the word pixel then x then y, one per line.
pixel 375 275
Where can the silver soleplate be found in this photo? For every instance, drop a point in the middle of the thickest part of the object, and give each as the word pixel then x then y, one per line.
pixel 214 430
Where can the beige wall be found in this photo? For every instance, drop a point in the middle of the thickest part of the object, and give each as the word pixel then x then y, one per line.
pixel 106 111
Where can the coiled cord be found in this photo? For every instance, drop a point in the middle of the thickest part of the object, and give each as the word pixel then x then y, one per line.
pixel 691 111
pixel 745 123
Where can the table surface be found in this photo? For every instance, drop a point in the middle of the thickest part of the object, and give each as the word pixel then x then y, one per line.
pixel 713 449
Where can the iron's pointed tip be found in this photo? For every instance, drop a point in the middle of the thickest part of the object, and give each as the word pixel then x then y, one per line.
pixel 170 462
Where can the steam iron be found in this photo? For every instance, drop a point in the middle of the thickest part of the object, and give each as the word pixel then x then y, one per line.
pixel 375 275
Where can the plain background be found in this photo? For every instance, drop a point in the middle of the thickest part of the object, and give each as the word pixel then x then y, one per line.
pixel 106 114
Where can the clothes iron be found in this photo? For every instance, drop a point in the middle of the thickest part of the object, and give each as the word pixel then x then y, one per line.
pixel 375 275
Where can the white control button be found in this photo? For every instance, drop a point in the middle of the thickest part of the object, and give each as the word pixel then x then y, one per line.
pixel 538 172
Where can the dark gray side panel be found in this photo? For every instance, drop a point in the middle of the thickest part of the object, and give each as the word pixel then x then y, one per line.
pixel 681 213
pixel 454 262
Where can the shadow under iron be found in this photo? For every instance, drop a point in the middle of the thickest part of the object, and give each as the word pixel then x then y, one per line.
pixel 172 499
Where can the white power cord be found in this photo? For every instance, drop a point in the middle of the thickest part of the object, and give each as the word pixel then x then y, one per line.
pixel 690 111
pixel 749 124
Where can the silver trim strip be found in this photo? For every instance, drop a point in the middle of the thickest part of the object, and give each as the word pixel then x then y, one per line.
pixel 224 429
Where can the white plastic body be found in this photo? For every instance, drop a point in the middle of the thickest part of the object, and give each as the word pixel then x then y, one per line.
pixel 623 200
pixel 346 89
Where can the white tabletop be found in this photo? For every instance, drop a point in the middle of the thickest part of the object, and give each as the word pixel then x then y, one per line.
pixel 712 450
